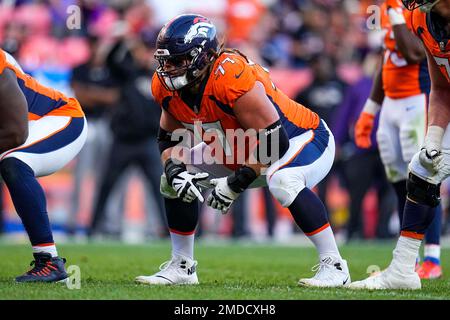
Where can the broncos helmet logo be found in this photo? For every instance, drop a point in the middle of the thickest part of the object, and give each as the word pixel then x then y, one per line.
pixel 200 29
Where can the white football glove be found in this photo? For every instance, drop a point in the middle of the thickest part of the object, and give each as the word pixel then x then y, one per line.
pixel 442 164
pixel 185 185
pixel 221 197
pixel 428 159
pixel 431 148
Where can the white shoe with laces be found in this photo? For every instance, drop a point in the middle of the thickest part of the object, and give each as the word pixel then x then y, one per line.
pixel 331 273
pixel 391 278
pixel 179 270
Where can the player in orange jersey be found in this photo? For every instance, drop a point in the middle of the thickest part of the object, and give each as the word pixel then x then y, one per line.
pixel 429 166
pixel 401 91
pixel 213 91
pixel 41 130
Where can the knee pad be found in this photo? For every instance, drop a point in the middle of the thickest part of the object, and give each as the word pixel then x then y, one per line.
pixel 285 188
pixel 423 192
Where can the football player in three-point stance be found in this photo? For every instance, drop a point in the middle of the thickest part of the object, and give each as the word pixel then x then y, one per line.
pixel 431 165
pixel 41 130
pixel 200 84
pixel 400 91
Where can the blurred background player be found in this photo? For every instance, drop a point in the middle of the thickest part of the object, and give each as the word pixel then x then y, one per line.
pixel 97 89
pixel 400 91
pixel 431 165
pixel 284 35
pixel 357 162
pixel 41 130
pixel 134 132
pixel 323 96
pixel 200 82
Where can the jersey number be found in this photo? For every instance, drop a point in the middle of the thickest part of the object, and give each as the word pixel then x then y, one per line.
pixel 208 127
pixel 220 67
pixel 442 62
pixel 395 59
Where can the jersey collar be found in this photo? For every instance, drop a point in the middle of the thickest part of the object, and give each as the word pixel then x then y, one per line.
pixel 436 27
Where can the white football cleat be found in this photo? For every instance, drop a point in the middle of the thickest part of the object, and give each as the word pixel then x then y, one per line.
pixel 331 272
pixel 389 279
pixel 179 270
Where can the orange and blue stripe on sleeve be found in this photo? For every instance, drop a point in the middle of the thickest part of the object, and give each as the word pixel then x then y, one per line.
pixel 2 61
pixel 41 100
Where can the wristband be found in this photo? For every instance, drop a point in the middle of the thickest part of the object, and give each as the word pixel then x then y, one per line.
pixel 239 180
pixel 371 107
pixel 434 136
pixel 172 169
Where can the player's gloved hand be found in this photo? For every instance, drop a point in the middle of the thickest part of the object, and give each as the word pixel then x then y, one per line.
pixel 364 125
pixel 221 197
pixel 363 130
pixel 430 153
pixel 442 164
pixel 183 182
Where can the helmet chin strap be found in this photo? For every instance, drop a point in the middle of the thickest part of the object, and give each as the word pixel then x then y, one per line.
pixel 427 7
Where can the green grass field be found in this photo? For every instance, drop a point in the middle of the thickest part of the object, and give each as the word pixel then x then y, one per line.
pixel 233 271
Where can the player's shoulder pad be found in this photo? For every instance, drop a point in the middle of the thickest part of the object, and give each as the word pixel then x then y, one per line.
pixel 232 77
pixel 409 19
pixel 417 22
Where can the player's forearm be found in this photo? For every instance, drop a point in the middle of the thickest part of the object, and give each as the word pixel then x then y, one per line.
pixel 257 167
pixel 439 108
pixel 377 92
pixel 408 44
pixel 166 155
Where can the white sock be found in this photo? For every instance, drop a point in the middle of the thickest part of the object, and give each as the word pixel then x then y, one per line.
pixel 182 244
pixel 405 254
pixel 325 243
pixel 432 251
pixel 48 248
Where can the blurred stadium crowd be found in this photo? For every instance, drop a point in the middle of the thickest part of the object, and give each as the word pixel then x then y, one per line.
pixel 320 52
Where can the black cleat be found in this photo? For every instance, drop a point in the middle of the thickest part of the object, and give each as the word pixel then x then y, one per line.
pixel 46 269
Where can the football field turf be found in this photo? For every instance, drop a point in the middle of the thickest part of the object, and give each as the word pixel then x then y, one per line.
pixel 226 271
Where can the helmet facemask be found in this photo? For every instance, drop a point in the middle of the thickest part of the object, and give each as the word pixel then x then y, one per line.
pixel 425 5
pixel 184 69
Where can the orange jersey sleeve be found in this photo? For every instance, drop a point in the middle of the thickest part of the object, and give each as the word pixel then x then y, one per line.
pixel 2 61
pixel 41 100
pixel 233 77
pixel 401 79
pixel 438 48
pixel 157 89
